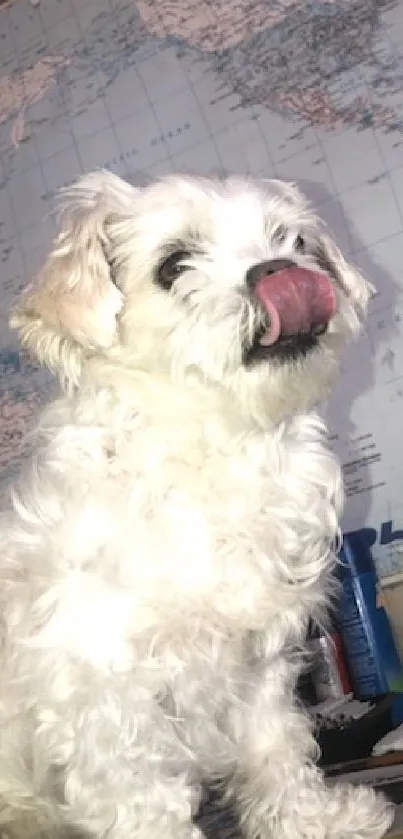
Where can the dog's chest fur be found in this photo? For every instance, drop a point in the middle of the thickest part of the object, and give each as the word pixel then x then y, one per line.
pixel 171 530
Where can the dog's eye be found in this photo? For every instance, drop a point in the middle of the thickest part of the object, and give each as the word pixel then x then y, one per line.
pixel 280 234
pixel 299 244
pixel 171 268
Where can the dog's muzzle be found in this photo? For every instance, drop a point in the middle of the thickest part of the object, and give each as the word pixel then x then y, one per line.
pixel 296 300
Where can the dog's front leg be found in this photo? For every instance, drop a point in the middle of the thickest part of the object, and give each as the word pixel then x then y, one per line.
pixel 279 791
pixel 122 773
pixel 125 804
pixel 127 799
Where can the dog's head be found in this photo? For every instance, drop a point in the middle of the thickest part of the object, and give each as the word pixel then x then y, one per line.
pixel 234 283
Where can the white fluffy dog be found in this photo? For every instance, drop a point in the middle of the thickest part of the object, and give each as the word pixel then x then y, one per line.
pixel 174 531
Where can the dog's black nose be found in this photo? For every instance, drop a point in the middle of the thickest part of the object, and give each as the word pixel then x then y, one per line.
pixel 262 269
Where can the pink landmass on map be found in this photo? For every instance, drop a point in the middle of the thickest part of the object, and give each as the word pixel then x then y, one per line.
pixel 212 27
pixel 20 90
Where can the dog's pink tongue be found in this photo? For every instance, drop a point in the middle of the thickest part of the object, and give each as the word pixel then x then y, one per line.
pixel 296 300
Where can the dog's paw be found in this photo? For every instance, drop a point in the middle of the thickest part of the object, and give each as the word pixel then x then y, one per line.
pixel 363 814
pixel 340 812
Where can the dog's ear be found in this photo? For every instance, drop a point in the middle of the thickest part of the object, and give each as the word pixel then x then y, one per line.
pixel 71 310
pixel 357 289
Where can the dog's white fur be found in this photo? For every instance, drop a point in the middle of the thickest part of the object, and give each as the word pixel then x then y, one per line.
pixel 174 532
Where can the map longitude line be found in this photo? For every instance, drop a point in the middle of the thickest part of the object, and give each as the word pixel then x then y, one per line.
pixel 382 155
pixel 74 141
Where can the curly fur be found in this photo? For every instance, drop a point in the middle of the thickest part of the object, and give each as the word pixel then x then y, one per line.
pixel 165 549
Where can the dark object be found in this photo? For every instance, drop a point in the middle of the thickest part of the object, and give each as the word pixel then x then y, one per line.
pixel 216 819
pixel 356 739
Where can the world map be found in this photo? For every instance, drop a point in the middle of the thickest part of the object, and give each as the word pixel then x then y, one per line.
pixel 306 91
